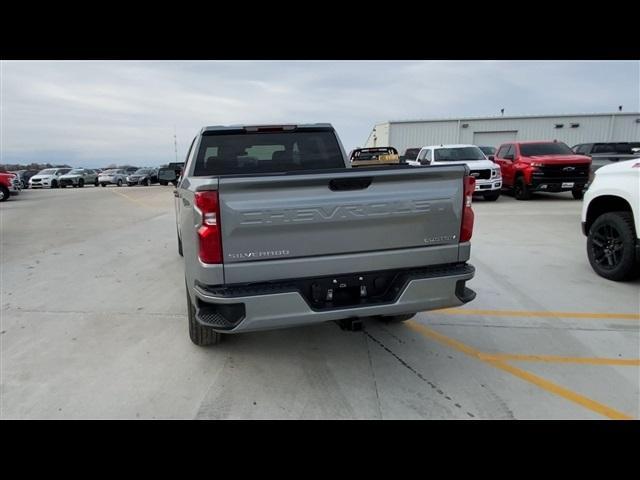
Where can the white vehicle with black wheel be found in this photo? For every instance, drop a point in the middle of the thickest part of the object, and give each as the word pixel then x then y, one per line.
pixel 487 174
pixel 611 219
pixel 115 176
pixel 48 178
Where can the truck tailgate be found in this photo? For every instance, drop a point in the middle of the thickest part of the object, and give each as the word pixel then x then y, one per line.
pixel 272 220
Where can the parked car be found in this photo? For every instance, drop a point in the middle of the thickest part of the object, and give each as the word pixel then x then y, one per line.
pixel 79 177
pixel 24 176
pixel 605 153
pixel 10 185
pixel 529 167
pixel 374 156
pixel 114 176
pixel 170 173
pixel 49 177
pixel 277 232
pixel 409 154
pixel 611 220
pixel 143 176
pixel 488 151
pixel 487 174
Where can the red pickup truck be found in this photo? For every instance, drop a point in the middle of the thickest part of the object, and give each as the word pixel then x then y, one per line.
pixel 8 185
pixel 529 167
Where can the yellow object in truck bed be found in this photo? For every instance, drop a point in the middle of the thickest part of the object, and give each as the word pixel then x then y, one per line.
pixel 371 157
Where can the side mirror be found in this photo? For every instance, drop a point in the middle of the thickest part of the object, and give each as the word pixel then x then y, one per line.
pixel 492 158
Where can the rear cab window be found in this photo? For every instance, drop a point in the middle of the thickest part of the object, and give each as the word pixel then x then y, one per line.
pixel 247 151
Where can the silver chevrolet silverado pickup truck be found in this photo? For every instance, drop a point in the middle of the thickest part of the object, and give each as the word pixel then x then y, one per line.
pixel 276 230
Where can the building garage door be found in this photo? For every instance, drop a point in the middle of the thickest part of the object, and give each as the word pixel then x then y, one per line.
pixel 493 139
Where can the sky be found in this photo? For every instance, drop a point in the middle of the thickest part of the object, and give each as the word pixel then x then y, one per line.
pixel 95 113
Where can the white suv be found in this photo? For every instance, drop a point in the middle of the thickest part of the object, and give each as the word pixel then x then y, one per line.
pixel 610 220
pixel 487 174
pixel 49 177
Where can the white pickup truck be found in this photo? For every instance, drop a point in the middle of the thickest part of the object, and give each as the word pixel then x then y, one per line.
pixel 487 174
pixel 611 220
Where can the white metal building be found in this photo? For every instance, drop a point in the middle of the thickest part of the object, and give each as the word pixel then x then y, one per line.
pixel 492 131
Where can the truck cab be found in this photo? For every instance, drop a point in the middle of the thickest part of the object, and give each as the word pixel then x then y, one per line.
pixel 550 166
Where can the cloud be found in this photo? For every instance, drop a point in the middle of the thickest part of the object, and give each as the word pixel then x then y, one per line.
pixel 94 113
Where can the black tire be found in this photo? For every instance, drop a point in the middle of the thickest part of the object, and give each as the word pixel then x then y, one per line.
pixel 119 183
pixel 200 335
pixel 145 182
pixel 4 193
pixel 397 318
pixel 103 184
pixel 81 183
pixel 54 184
pixel 578 193
pixel 163 183
pixel 611 246
pixel 521 189
pixel 491 197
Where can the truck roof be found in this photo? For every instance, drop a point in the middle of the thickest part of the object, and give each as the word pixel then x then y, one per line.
pixel 450 145
pixel 285 126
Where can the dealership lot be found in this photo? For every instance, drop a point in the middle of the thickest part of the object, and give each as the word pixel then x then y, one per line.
pixel 94 326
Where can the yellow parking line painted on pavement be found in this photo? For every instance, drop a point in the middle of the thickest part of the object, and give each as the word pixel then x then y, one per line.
pixel 129 198
pixel 559 359
pixel 528 313
pixel 522 374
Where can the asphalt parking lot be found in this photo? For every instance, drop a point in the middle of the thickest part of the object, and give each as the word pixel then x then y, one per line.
pixel 93 325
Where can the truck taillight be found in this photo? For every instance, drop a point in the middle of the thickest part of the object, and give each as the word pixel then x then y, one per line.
pixel 467 212
pixel 209 235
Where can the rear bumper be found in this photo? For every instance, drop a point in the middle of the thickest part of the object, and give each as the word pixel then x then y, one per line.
pixel 428 289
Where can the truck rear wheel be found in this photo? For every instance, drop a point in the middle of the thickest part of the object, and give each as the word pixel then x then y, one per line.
pixel 397 318
pixel 521 189
pixel 199 334
pixel 611 246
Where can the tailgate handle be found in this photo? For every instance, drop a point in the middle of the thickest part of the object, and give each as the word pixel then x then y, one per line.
pixel 341 184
